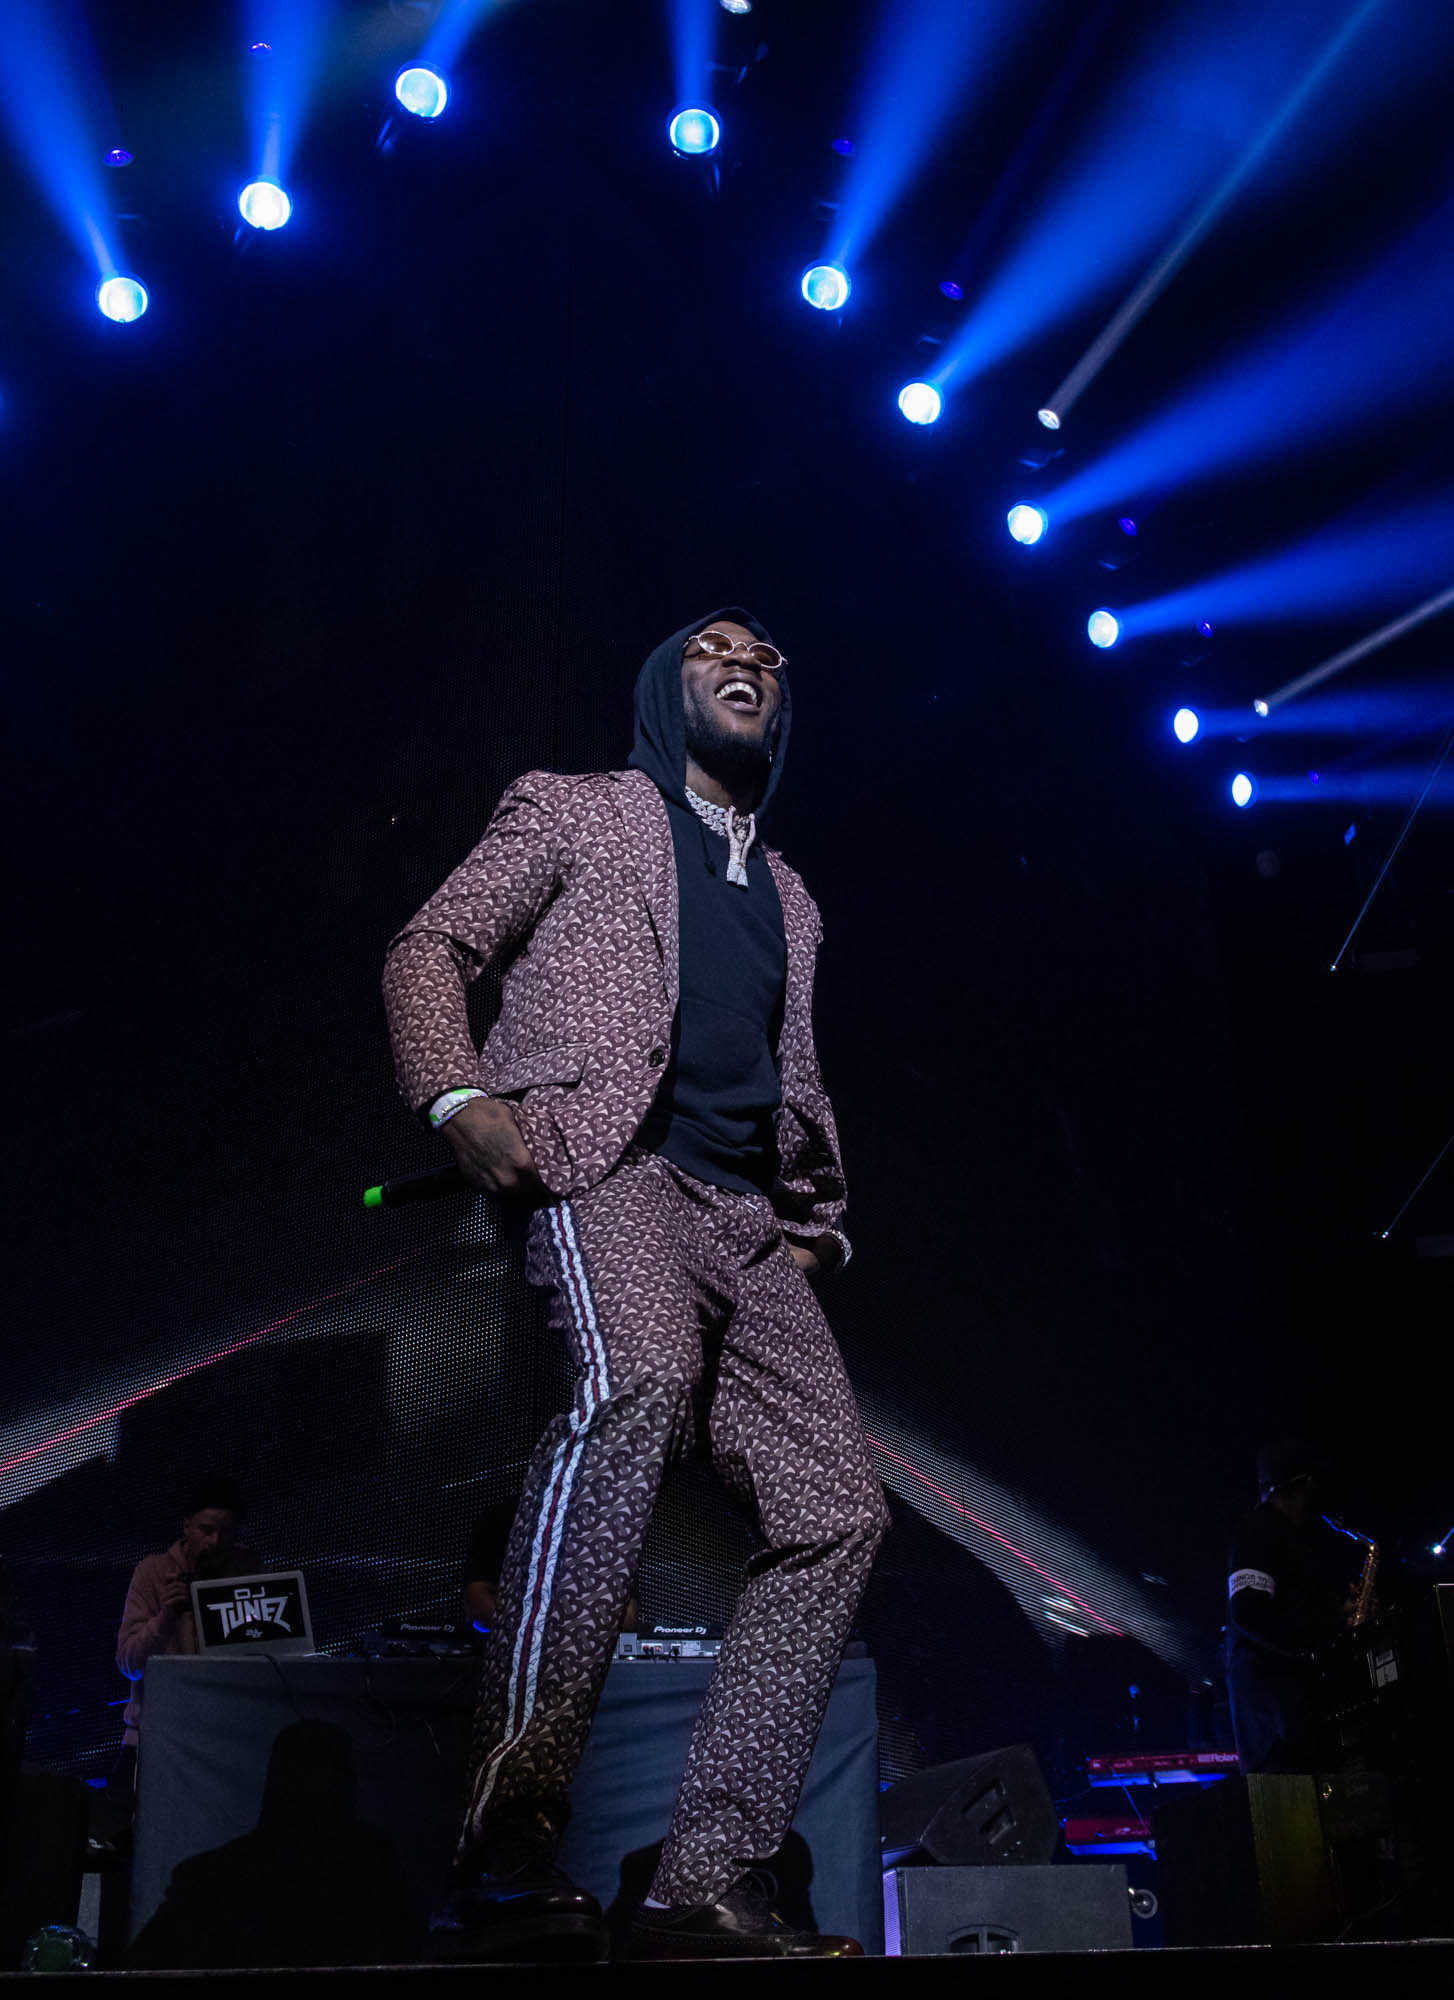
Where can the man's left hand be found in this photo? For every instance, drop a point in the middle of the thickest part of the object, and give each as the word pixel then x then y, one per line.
pixel 824 1253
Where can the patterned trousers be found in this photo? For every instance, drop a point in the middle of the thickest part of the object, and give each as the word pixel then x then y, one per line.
pixel 686 1316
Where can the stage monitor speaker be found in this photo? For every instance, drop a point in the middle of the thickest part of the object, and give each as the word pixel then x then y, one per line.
pixel 972 1813
pixel 929 1912
pixel 1274 1858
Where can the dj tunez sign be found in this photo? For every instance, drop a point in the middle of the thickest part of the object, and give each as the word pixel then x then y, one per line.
pixel 249 1612
pixel 268 1612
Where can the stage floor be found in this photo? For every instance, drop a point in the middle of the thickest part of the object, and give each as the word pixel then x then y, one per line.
pixel 1328 1969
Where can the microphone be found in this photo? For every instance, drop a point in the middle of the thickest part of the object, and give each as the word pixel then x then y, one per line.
pixel 428 1186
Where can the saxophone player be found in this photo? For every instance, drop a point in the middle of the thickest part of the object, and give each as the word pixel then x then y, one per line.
pixel 1288 1593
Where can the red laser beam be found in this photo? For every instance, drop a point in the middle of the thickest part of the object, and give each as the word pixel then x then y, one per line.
pixel 357 1284
pixel 207 1361
pixel 995 1535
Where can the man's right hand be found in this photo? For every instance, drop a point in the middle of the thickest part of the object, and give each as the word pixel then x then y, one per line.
pixel 489 1150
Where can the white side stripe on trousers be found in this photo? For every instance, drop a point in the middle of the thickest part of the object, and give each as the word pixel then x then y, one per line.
pixel 555 1502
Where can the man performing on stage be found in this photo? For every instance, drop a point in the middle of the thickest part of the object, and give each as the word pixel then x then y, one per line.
pixel 652 1087
pixel 1288 1592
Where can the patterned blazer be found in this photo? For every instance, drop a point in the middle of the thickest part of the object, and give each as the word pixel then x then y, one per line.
pixel 573 893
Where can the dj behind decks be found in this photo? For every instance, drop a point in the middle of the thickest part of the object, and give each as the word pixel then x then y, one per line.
pixel 159 1616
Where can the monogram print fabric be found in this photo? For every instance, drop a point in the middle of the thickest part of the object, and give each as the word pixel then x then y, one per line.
pixel 688 1320
pixel 686 1315
pixel 573 889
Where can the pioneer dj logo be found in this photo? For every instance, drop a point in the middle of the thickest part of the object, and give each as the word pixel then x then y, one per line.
pixel 249 1612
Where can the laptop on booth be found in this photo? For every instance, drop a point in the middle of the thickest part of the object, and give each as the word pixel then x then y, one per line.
pixel 253 1614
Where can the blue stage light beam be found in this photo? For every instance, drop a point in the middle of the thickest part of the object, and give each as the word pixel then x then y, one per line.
pixel 1373 720
pixel 1389 785
pixel 57 114
pixel 453 27
pixel 693 37
pixel 283 51
pixel 1347 364
pixel 1383 715
pixel 1103 628
pixel 1354 712
pixel 1134 308
pixel 1146 155
pixel 1186 725
pixel 1345 567
pixel 931 61
pixel 990 215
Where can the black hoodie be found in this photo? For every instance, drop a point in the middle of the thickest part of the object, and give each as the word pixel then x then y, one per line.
pixel 713 1115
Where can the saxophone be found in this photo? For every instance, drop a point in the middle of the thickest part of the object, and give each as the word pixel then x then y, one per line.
pixel 1363 1602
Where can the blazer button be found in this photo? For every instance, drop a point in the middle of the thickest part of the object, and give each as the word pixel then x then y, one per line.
pixel 657 1058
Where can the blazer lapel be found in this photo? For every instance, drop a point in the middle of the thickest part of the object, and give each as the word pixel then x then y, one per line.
pixel 648 832
pixel 799 939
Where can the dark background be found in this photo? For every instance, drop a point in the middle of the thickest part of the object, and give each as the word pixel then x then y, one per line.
pixel 365 518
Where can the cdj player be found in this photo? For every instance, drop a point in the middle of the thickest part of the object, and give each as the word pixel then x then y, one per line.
pixel 665 1641
pixel 418 1635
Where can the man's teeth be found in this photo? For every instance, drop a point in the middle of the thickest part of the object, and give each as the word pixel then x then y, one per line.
pixel 738 687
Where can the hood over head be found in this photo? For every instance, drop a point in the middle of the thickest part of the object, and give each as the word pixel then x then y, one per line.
pixel 660 748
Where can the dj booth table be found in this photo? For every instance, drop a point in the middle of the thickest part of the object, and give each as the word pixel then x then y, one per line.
pixel 211 1725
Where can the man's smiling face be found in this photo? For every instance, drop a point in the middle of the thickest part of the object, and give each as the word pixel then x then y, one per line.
pixel 731 708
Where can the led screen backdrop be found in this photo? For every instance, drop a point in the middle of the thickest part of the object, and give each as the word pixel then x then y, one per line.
pixel 373 516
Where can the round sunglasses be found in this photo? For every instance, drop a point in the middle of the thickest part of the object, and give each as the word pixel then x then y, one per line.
pixel 721 646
